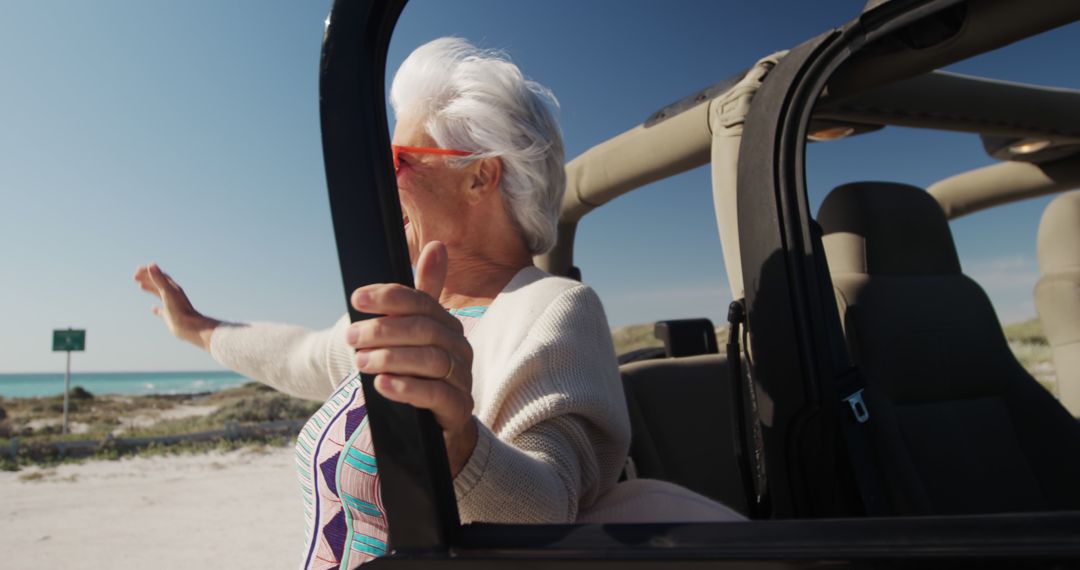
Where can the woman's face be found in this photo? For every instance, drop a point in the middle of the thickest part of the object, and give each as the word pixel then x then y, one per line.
pixel 432 193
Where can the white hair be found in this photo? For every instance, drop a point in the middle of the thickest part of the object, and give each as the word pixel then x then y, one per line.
pixel 477 100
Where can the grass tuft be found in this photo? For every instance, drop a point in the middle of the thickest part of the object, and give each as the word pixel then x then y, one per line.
pixel 1027 332
pixel 265 408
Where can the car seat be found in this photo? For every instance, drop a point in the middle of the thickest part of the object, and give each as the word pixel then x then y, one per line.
pixel 681 414
pixel 1057 294
pixel 680 423
pixel 959 426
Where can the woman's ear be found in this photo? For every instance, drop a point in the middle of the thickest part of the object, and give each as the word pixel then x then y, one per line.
pixel 487 176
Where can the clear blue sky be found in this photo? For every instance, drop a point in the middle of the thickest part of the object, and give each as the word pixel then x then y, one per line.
pixel 187 133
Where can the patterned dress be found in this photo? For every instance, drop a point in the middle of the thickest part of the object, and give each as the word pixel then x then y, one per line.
pixel 339 478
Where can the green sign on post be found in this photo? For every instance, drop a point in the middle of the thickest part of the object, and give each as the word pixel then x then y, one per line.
pixel 69 340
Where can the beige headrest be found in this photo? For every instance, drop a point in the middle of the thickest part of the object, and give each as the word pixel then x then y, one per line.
pixel 1059 234
pixel 884 228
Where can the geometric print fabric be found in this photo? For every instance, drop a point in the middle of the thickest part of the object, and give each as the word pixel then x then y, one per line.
pixel 339 478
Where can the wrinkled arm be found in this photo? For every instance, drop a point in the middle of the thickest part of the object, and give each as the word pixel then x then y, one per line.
pixel 294 360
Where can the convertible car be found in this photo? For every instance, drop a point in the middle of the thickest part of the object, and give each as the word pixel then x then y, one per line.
pixel 866 409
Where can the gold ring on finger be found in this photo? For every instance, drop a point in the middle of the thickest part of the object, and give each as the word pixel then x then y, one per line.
pixel 450 370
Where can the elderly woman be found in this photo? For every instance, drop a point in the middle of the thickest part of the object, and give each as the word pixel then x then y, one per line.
pixel 516 365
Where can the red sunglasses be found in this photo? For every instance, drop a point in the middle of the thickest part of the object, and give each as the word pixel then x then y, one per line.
pixel 398 149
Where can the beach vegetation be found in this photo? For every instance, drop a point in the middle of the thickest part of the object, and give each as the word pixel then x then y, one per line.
pixel 1031 349
pixel 34 476
pixel 110 426
pixel 1029 331
pixel 636 337
pixel 56 406
pixel 265 408
pixel 79 393
pixel 30 428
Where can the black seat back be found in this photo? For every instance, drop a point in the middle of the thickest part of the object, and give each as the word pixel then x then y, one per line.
pixel 960 427
pixel 687 337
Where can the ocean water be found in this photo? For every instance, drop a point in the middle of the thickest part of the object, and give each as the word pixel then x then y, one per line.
pixel 123 383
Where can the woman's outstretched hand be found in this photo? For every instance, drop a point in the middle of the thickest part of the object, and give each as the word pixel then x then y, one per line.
pixel 184 322
pixel 418 351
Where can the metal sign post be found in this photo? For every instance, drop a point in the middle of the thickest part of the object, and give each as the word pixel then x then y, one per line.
pixel 67 341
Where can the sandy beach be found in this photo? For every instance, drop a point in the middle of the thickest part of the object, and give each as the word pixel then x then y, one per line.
pixel 240 509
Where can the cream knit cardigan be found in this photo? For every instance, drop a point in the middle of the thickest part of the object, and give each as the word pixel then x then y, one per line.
pixel 554 430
